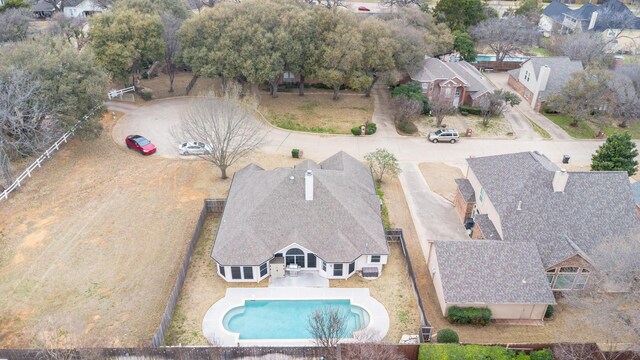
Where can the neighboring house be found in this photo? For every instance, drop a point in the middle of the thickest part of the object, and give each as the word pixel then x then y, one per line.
pixel 458 82
pixel 635 188
pixel 540 77
pixel 618 25
pixel 524 197
pixel 81 8
pixel 505 276
pixel 42 9
pixel 321 217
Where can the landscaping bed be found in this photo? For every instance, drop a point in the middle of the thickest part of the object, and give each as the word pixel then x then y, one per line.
pixel 498 128
pixel 316 111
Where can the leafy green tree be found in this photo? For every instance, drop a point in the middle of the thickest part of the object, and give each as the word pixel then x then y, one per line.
pixel 76 88
pixel 529 8
pixel 618 153
pixel 583 96
pixel 463 44
pixel 412 91
pixel 382 162
pixel 14 4
pixel 460 14
pixel 303 56
pixel 123 40
pixel 378 57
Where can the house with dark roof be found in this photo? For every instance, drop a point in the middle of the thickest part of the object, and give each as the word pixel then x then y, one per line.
pixel 505 276
pixel 42 9
pixel 457 82
pixel 524 197
pixel 81 8
pixel 540 77
pixel 322 217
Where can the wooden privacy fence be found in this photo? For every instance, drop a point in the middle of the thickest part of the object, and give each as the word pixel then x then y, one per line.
pixel 395 235
pixel 497 65
pixel 211 206
pixel 47 154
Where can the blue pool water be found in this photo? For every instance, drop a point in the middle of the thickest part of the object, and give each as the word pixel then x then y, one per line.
pixel 493 58
pixel 287 319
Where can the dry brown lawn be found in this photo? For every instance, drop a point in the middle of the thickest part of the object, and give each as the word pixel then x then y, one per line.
pixel 440 178
pixel 316 111
pixel 498 128
pixel 393 289
pixel 160 85
pixel 569 324
pixel 90 246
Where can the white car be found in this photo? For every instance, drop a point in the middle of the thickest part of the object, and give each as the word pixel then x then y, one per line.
pixel 194 148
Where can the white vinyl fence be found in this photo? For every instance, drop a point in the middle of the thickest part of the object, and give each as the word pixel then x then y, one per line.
pixel 47 154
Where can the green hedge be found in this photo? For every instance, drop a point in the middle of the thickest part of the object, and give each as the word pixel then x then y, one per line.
pixel 549 312
pixel 455 351
pixel 370 129
pixel 356 131
pixel 447 336
pixel 471 110
pixel 146 94
pixel 469 315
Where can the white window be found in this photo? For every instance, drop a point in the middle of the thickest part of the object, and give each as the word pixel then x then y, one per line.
pixel 481 197
pixel 375 258
pixel 527 75
pixel 457 92
pixel 425 86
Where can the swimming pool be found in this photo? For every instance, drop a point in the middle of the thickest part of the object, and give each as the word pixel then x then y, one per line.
pixel 288 319
pixel 493 58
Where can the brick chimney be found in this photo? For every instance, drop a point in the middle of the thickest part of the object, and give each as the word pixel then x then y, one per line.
pixel 617 62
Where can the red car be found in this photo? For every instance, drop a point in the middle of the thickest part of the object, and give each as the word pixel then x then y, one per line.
pixel 141 144
pixel 362 8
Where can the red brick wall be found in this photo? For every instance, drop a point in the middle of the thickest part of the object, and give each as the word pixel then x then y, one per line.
pixel 463 209
pixel 516 85
pixel 477 233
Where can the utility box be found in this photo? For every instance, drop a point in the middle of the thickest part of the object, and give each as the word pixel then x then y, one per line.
pixel 277 267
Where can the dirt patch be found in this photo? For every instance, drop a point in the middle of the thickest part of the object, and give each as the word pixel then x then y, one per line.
pixel 440 178
pixel 202 288
pixel 393 290
pixel 498 128
pixel 90 246
pixel 570 323
pixel 160 85
pixel 316 111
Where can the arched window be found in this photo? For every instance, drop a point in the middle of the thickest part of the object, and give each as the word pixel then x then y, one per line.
pixel 295 256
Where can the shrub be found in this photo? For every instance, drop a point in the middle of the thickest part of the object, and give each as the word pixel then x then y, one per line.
pixel 469 315
pixel 412 91
pixel 356 131
pixel 146 94
pixel 544 354
pixel 549 110
pixel 407 127
pixel 549 313
pixel 370 129
pixel 447 336
pixel 455 351
pixel 471 110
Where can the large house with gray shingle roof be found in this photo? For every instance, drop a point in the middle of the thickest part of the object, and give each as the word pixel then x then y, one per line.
pixel 540 77
pixel 321 217
pixel 533 221
pixel 457 82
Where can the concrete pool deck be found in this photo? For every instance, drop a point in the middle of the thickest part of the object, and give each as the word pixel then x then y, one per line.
pixel 214 330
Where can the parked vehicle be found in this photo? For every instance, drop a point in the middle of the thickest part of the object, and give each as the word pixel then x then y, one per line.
pixel 363 8
pixel 194 148
pixel 444 135
pixel 141 144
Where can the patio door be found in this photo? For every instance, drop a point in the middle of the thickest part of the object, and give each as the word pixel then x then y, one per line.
pixel 295 256
pixel 311 260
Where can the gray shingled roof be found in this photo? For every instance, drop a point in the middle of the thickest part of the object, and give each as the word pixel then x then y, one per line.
pixel 556 10
pixel 468 194
pixel 561 69
pixel 42 6
pixel 266 212
pixel 594 207
pixel 477 84
pixel 492 272
pixel 435 69
pixel 489 231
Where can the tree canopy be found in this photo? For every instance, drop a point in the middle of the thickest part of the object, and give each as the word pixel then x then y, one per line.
pixel 463 43
pixel 460 14
pixel 618 153
pixel 505 36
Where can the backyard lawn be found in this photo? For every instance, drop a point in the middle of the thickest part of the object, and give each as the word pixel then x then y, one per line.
pixel 316 111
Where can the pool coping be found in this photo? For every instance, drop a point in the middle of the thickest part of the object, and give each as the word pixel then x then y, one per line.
pixel 214 330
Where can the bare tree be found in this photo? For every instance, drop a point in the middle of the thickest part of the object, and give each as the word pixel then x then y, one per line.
pixel 14 24
pixel 405 109
pixel 72 29
pixel 506 35
pixel 402 3
pixel 226 123
pixel 625 102
pixel 587 47
pixel 171 24
pixel 441 107
pixel 495 103
pixel 327 326
pixel 28 121
pixel 381 162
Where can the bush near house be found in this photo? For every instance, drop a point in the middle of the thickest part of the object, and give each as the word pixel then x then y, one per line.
pixel 146 94
pixel 549 313
pixel 469 315
pixel 455 351
pixel 369 129
pixel 447 336
pixel 471 110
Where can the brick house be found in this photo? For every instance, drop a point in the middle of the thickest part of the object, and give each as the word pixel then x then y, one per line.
pixel 524 197
pixel 540 77
pixel 458 82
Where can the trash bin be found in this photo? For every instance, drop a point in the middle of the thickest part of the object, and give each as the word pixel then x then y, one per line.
pixel 565 159
pixel 469 132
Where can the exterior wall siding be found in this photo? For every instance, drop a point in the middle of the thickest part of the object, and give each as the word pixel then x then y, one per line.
pixel 434 271
pixel 485 206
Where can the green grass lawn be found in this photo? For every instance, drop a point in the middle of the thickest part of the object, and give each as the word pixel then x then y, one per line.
pixel 582 131
pixel 633 129
pixel 538 51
